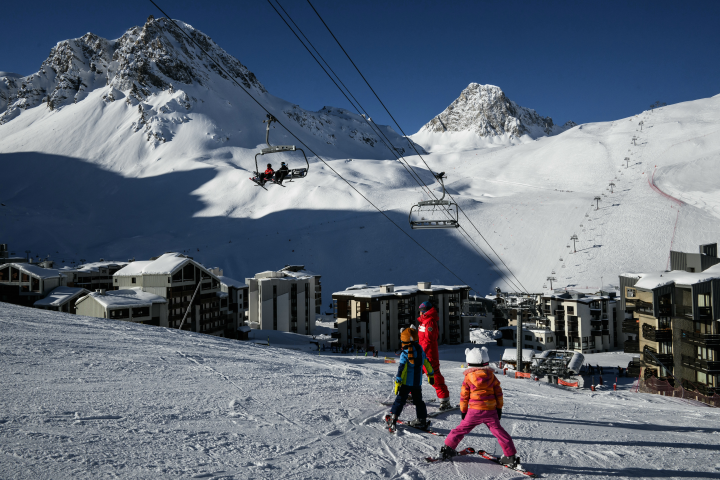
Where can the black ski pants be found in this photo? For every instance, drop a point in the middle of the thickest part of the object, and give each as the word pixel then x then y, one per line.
pixel 401 398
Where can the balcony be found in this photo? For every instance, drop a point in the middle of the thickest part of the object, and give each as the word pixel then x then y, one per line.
pixel 644 308
pixel 605 324
pixel 700 339
pixel 595 332
pixel 665 358
pixel 631 347
pixel 630 326
pixel 705 313
pixel 683 311
pixel 706 366
pixel 559 326
pixel 654 335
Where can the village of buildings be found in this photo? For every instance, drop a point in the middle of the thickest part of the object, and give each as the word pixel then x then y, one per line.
pixel 667 320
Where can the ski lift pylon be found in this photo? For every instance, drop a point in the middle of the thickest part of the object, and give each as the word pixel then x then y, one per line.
pixel 294 173
pixel 434 213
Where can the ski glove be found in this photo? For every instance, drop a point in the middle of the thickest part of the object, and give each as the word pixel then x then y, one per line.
pixel 499 412
pixel 431 379
pixel 398 380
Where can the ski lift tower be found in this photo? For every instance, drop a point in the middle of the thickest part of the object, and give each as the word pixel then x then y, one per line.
pixel 435 214
pixel 634 139
pixel 551 279
pixel 597 202
pixel 641 124
pixel 574 238
pixel 627 162
pixel 612 185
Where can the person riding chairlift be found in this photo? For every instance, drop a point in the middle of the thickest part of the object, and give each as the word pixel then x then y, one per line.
pixel 281 173
pixel 267 175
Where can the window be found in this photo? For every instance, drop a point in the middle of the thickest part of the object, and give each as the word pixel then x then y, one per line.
pixel 35 284
pixel 120 313
pixel 168 279
pixel 570 310
pixel 133 280
pixel 25 277
pixel 528 338
pixel 630 293
pixel 141 312
pixel 116 280
pixel 4 274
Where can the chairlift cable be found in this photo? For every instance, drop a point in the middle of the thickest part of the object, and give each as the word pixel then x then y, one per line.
pixel 303 143
pixel 388 144
pixel 409 141
pixel 358 107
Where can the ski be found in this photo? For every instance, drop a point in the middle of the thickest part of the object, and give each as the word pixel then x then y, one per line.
pixel 435 414
pixel 517 468
pixel 257 182
pixel 467 451
pixel 405 425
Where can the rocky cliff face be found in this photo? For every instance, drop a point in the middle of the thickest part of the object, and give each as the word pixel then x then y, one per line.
pixel 486 111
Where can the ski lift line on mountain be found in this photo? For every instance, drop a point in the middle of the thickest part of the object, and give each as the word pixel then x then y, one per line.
pixel 451 214
pixel 412 145
pixel 186 35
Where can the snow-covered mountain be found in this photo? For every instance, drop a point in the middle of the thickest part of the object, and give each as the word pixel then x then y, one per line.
pixel 483 113
pixel 161 77
pixel 143 163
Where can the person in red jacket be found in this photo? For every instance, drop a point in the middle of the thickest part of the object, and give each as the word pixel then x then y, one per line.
pixel 268 175
pixel 428 333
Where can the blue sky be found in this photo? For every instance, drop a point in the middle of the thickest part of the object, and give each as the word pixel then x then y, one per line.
pixel 583 61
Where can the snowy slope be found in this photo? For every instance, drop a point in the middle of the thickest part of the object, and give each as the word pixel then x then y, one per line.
pixel 98 398
pixel 144 164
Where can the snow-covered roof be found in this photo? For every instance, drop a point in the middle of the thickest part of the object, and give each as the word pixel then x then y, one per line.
pixel 231 282
pixel 651 281
pixel 165 264
pixel 299 273
pixel 528 329
pixel 96 266
pixel 61 295
pixel 131 297
pixel 364 291
pixel 510 354
pixel 585 299
pixel 35 270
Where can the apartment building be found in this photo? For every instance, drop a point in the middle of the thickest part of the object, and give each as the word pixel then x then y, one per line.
pixel 177 277
pixel 539 339
pixel 675 316
pixel 93 276
pixel 238 293
pixel 131 304
pixel 374 316
pixel 283 300
pixel 61 299
pixel 299 271
pixel 582 323
pixel 26 283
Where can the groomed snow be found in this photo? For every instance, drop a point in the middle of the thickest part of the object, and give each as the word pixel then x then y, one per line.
pixel 93 398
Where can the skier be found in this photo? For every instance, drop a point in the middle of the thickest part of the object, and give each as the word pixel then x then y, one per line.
pixel 481 401
pixel 428 332
pixel 267 175
pixel 281 173
pixel 409 380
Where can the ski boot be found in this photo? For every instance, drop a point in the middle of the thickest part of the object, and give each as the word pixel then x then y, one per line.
pixel 420 424
pixel 512 461
pixel 445 404
pixel 446 453
pixel 391 422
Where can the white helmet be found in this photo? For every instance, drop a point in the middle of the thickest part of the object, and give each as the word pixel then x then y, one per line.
pixel 477 356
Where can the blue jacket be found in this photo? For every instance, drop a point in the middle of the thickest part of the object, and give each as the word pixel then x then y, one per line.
pixel 411 374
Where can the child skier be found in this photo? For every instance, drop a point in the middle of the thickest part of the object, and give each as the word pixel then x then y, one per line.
pixel 409 380
pixel 481 401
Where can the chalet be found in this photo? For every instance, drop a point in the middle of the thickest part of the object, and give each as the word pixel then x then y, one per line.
pixel 26 283
pixel 61 299
pixel 131 304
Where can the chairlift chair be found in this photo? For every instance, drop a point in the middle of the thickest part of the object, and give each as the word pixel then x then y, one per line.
pixel 434 213
pixel 294 173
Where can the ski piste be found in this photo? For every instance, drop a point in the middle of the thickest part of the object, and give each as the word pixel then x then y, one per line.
pixel 467 451
pixel 405 425
pixel 435 414
pixel 494 459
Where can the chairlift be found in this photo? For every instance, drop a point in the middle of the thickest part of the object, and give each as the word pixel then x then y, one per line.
pixel 434 213
pixel 293 174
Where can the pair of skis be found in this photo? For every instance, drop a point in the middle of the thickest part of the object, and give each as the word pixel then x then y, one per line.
pixel 469 451
pixel 393 428
pixel 262 184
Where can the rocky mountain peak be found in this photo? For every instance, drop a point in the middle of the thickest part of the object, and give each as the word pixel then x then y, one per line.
pixel 486 111
pixel 145 59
